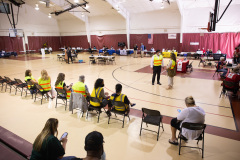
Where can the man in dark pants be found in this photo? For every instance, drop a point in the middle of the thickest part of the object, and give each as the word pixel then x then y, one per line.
pixel 156 65
pixel 69 52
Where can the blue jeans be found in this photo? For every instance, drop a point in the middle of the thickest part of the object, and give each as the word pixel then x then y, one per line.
pixel 224 71
pixel 68 158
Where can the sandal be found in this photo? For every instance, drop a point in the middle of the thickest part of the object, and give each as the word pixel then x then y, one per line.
pixel 173 142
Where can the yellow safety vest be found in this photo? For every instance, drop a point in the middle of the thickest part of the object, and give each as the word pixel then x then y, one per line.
pixel 79 87
pixel 27 78
pixel 96 93
pixel 173 64
pixel 45 84
pixel 157 60
pixel 60 86
pixel 121 99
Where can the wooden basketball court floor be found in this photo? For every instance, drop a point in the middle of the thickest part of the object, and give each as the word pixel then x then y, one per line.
pixel 26 118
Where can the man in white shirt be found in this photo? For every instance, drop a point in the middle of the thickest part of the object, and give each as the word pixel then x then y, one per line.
pixel 218 52
pixel 191 114
pixel 156 65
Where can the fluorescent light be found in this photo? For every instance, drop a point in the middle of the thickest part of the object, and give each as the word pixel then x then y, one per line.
pixel 162 5
pixel 83 15
pixel 87 6
pixel 37 8
pixel 76 1
pixel 49 15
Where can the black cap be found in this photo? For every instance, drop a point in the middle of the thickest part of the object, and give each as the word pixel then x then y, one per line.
pixel 93 141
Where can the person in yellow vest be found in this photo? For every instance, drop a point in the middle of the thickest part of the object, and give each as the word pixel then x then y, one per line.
pixel 80 87
pixel 60 84
pixel 171 70
pixel 30 78
pixel 45 82
pixel 118 96
pixel 98 92
pixel 156 65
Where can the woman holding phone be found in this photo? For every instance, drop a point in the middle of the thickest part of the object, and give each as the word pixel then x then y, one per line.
pixel 46 146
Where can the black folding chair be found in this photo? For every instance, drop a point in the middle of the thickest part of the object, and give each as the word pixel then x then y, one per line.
pixel 31 90
pixel 202 61
pixel 112 59
pixel 61 94
pixel 2 81
pixel 226 90
pixel 189 67
pixel 123 113
pixel 43 93
pixel 9 83
pixel 152 117
pixel 93 108
pixel 216 71
pixel 20 85
pixel 193 126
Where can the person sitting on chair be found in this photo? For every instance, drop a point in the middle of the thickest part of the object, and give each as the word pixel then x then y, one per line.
pixel 98 92
pixel 118 96
pixel 191 114
pixel 60 84
pixel 45 82
pixel 235 57
pixel 29 78
pixel 220 68
pixel 218 51
pixel 235 78
pixel 80 87
pixel 94 47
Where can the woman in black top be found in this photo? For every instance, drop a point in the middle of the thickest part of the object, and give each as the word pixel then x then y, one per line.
pixel 46 146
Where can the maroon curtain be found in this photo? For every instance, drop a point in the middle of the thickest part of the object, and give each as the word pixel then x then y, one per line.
pixel 226 42
pixel 108 40
pixel 36 42
pixel 74 41
pixel 160 41
pixel 11 44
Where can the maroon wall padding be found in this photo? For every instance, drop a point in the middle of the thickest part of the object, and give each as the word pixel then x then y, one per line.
pixel 36 42
pixel 74 41
pixel 226 42
pixel 108 40
pixel 160 41
pixel 11 44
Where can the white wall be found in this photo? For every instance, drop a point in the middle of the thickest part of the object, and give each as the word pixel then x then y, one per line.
pixel 155 22
pixel 34 23
pixel 198 18
pixel 71 27
pixel 101 25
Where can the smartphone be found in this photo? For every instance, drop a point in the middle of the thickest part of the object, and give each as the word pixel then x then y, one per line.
pixel 64 135
pixel 179 110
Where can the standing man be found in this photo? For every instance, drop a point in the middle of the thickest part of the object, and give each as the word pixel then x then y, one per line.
pixel 135 51
pixel 69 53
pixel 142 50
pixel 156 65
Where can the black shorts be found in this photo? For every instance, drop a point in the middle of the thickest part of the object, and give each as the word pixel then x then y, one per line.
pixel 175 123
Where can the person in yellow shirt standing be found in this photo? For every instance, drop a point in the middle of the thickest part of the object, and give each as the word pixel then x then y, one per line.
pixel 171 70
pixel 156 65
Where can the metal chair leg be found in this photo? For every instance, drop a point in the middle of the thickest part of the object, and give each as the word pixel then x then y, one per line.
pixel 141 128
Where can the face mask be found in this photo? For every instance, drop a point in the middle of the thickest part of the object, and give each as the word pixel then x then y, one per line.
pixel 103 157
pixel 102 85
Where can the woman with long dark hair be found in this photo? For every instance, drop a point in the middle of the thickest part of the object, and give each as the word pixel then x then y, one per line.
pixel 171 70
pixel 46 146
pixel 60 84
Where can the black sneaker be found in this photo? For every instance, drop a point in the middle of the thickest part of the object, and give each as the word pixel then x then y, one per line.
pixel 133 104
pixel 159 83
pixel 152 83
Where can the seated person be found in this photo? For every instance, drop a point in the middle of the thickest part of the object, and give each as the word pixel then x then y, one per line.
pixel 203 50
pixel 152 49
pixel 45 82
pixel 207 52
pixel 98 92
pixel 118 96
pixel 210 52
pixel 94 47
pixel 29 78
pixel 60 84
pixel 218 52
pixel 163 50
pixel 80 87
pixel 50 49
pixel 235 78
pixel 47 146
pixel 235 57
pixel 112 48
pixel 173 50
pixel 94 147
pixel 191 114
pixel 220 68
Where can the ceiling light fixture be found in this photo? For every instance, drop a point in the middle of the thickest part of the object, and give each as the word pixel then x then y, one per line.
pixel 87 6
pixel 162 5
pixel 83 15
pixel 36 7
pixel 76 1
pixel 49 15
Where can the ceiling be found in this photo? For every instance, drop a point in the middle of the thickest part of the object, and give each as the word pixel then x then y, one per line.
pixel 188 4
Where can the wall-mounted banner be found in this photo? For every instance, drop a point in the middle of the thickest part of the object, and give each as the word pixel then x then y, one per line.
pixel 194 43
pixel 172 36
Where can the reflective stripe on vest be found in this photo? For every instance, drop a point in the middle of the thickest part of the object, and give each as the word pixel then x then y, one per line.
pixel 31 78
pixel 79 87
pixel 173 64
pixel 60 86
pixel 45 84
pixel 94 92
pixel 120 98
pixel 157 60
